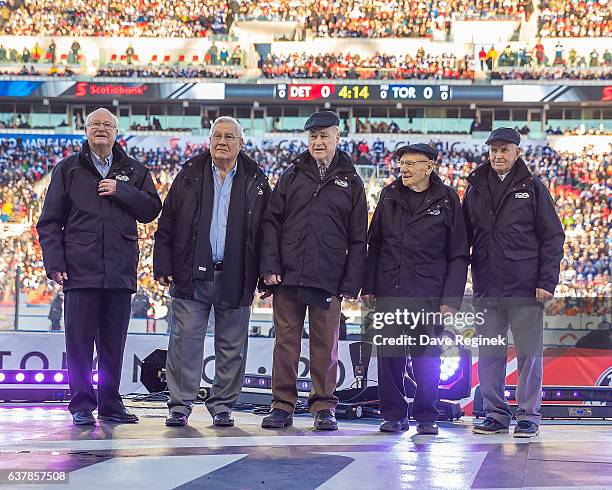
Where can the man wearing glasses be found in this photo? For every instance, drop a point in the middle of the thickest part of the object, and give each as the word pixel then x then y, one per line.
pixel 417 261
pixel 207 251
pixel 87 232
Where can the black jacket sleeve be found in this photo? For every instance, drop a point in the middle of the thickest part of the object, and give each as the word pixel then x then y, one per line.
pixel 457 252
pixel 164 236
pixel 261 287
pixel 551 236
pixel 144 203
pixel 466 214
pixel 374 242
pixel 52 221
pixel 357 244
pixel 271 228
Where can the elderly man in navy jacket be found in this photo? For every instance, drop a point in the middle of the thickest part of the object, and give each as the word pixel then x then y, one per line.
pixel 89 240
pixel 517 246
pixel 417 261
pixel 314 247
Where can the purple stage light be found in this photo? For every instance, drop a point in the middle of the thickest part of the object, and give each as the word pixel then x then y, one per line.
pixel 58 378
pixel 39 377
pixel 19 377
pixel 558 394
pixel 575 394
pixel 2 377
pixel 95 377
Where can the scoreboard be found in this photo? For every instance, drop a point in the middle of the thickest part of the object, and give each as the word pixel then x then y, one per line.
pixel 362 93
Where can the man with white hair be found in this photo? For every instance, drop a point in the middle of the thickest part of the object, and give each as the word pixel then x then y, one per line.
pixel 313 256
pixel 207 251
pixel 89 240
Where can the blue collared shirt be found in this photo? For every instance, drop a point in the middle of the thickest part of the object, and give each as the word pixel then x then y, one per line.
pixel 220 213
pixel 102 167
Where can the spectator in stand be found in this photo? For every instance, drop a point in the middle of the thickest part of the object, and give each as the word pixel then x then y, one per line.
pixel 353 66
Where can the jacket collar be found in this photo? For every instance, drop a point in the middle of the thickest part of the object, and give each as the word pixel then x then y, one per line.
pixel 195 165
pixel 121 160
pixel 437 189
pixel 303 163
pixel 478 177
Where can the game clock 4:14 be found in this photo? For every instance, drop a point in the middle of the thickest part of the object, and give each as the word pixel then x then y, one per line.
pixel 354 92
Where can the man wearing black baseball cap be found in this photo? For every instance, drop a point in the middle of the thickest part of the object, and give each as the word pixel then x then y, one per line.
pixel 417 261
pixel 517 246
pixel 314 245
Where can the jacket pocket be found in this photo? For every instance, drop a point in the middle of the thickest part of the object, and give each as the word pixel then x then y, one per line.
pixel 521 254
pixel 334 241
pixel 431 269
pixel 82 237
pixel 291 237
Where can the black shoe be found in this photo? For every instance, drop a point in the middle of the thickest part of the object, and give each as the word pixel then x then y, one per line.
pixel 176 419
pixel 325 420
pixel 122 416
pixel 427 428
pixel 277 419
pixel 83 417
pixel 526 428
pixel 223 419
pixel 490 426
pixel 394 425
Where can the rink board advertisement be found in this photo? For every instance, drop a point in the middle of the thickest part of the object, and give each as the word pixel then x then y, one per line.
pixel 565 366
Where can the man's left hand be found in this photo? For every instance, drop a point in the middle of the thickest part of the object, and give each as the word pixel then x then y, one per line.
pixel 107 187
pixel 542 295
pixel 448 310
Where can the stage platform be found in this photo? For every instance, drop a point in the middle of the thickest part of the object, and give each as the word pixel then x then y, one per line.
pixel 151 456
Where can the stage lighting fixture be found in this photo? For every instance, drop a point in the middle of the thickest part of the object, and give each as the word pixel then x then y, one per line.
pixel 153 371
pixel 58 377
pixel 20 377
pixel 2 377
pixel 39 377
pixel 95 377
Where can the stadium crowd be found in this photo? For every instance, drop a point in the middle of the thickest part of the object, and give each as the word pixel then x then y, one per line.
pixel 579 183
pixel 575 18
pixel 199 18
pixel 167 72
pixel 352 66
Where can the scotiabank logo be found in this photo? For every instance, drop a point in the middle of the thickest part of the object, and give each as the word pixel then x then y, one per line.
pixel 84 89
pixel 606 94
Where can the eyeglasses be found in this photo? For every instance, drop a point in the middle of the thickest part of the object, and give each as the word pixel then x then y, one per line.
pixel 230 138
pixel 408 163
pixel 98 125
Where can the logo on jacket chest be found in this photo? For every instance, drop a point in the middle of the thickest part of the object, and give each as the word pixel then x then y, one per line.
pixel 433 212
pixel 123 178
pixel 521 195
pixel 341 183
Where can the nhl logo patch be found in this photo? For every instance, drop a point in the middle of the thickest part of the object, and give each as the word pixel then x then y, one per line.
pixel 123 178
pixel 521 195
pixel 433 212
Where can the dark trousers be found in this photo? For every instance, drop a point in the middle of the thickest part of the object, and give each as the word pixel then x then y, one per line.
pixel 99 316
pixel 393 387
pixel 289 316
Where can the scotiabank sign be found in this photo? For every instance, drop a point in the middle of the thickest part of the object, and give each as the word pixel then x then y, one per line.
pixel 86 89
